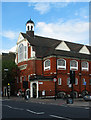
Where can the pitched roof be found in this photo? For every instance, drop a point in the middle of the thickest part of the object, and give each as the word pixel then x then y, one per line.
pixel 46 46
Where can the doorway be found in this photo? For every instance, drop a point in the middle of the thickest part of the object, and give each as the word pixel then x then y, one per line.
pixel 34 90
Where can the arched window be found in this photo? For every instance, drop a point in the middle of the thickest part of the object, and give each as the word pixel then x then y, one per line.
pixel 28 28
pixel 85 65
pixel 20 52
pixel 47 64
pixel 61 63
pixel 73 65
pixel 31 27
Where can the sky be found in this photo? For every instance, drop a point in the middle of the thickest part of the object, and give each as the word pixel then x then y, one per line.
pixel 68 21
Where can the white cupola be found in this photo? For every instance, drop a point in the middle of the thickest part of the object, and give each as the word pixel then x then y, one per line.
pixel 30 28
pixel 30 25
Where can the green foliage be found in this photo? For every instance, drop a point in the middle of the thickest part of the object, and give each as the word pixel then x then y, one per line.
pixel 13 71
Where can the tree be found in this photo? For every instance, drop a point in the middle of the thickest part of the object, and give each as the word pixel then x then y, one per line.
pixel 10 72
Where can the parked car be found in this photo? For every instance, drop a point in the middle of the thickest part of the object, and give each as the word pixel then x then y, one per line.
pixel 87 97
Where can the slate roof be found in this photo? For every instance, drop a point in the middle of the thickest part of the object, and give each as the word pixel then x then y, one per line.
pixel 44 47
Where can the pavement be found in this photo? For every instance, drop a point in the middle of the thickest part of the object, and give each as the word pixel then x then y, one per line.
pixel 79 102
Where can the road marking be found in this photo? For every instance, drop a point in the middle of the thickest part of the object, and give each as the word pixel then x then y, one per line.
pixel 7 106
pixel 13 107
pixel 60 117
pixel 35 112
pixel 17 108
pixel 87 108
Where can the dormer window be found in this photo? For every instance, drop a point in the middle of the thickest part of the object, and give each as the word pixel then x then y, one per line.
pixel 73 65
pixel 47 64
pixel 85 66
pixel 61 64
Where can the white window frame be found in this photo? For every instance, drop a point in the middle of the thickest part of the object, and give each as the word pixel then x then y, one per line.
pixel 48 67
pixel 61 67
pixel 59 81
pixel 76 81
pixel 83 68
pixel 68 82
pixel 74 68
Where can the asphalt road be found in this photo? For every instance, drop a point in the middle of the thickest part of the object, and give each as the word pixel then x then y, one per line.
pixel 23 109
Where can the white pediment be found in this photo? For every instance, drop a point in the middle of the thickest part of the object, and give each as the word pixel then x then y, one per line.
pixel 20 38
pixel 62 46
pixel 84 50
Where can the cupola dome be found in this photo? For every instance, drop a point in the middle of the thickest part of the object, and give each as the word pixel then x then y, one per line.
pixel 30 21
pixel 30 28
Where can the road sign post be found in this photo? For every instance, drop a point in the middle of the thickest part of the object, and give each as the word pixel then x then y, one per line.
pixel 72 81
pixel 55 81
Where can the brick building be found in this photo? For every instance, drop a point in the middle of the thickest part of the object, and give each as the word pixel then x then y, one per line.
pixel 42 59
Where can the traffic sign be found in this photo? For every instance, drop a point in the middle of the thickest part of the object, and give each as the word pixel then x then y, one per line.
pixel 84 83
pixel 55 80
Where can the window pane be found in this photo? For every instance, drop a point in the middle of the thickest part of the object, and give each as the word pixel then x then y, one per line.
pixel 90 81
pixel 20 52
pixel 59 81
pixel 47 63
pixel 61 62
pixel 84 64
pixel 73 63
pixel 68 81
pixel 76 81
pixel 83 80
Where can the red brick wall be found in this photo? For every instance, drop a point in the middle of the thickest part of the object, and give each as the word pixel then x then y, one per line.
pixel 35 67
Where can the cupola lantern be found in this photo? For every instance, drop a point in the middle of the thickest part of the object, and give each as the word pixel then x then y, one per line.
pixel 30 28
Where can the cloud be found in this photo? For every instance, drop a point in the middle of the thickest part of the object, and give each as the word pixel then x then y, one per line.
pixel 82 12
pixel 44 7
pixel 10 34
pixel 73 30
pixel 13 49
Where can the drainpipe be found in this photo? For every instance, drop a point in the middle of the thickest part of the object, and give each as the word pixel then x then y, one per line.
pixel 42 67
pixel 80 78
pixel 55 81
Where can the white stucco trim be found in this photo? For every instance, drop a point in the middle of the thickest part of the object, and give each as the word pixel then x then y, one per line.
pixel 20 38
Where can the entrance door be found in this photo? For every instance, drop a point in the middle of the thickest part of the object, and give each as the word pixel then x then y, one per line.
pixel 34 90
